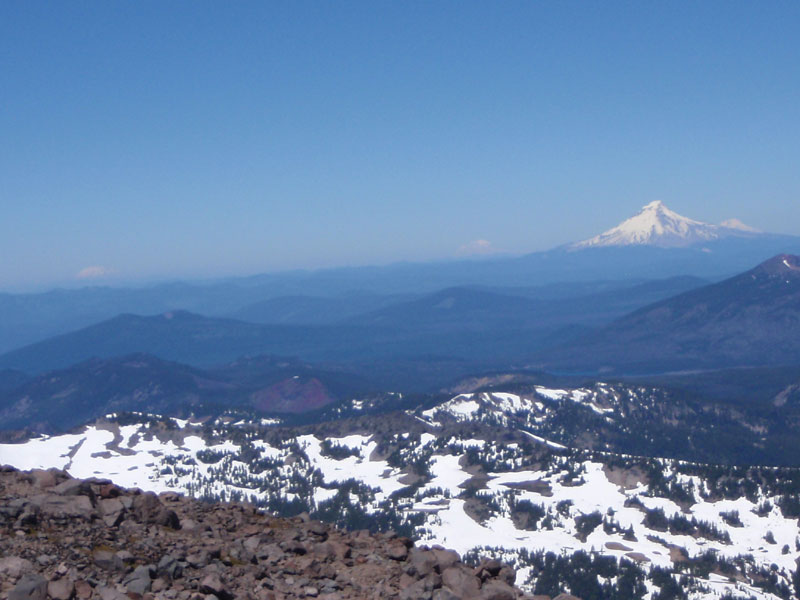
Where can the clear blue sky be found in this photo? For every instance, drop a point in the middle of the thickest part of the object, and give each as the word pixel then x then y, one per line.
pixel 194 139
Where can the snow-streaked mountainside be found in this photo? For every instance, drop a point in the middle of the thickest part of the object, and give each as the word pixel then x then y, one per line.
pixel 657 225
pixel 472 474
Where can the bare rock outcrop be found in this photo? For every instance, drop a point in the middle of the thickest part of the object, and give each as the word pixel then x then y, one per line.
pixel 68 539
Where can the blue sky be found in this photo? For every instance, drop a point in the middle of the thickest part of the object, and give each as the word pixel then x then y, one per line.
pixel 200 139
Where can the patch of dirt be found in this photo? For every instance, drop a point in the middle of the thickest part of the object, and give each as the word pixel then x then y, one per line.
pixel 637 557
pixel 627 479
pixel 617 546
pixel 678 555
pixel 476 482
pixel 537 486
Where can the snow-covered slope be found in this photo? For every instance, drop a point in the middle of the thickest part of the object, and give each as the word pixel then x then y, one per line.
pixel 736 224
pixel 447 477
pixel 657 225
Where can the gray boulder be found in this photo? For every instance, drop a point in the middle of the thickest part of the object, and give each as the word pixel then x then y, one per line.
pixel 14 567
pixel 140 580
pixel 497 590
pixel 29 587
pixel 61 589
pixel 461 582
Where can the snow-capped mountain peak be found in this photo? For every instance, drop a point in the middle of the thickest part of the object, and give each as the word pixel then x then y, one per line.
pixel 657 225
pixel 739 226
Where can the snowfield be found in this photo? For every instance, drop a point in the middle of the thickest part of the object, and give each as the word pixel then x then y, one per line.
pixel 589 505
pixel 657 225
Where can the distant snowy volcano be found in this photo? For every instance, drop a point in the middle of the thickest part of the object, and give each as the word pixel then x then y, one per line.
pixel 657 225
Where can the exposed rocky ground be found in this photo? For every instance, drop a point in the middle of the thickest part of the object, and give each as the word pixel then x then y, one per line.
pixel 65 538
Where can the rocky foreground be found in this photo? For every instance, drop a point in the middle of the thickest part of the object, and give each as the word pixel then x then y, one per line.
pixel 65 538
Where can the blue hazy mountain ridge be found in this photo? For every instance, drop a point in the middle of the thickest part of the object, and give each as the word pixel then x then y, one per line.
pixel 520 308
pixel 314 310
pixel 462 323
pixel 178 335
pixel 11 379
pixel 750 319
pixel 656 243
pixel 641 248
pixel 27 318
pixel 713 259
pixel 64 398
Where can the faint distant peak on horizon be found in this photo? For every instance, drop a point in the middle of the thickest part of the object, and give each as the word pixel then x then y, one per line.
pixel 656 225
